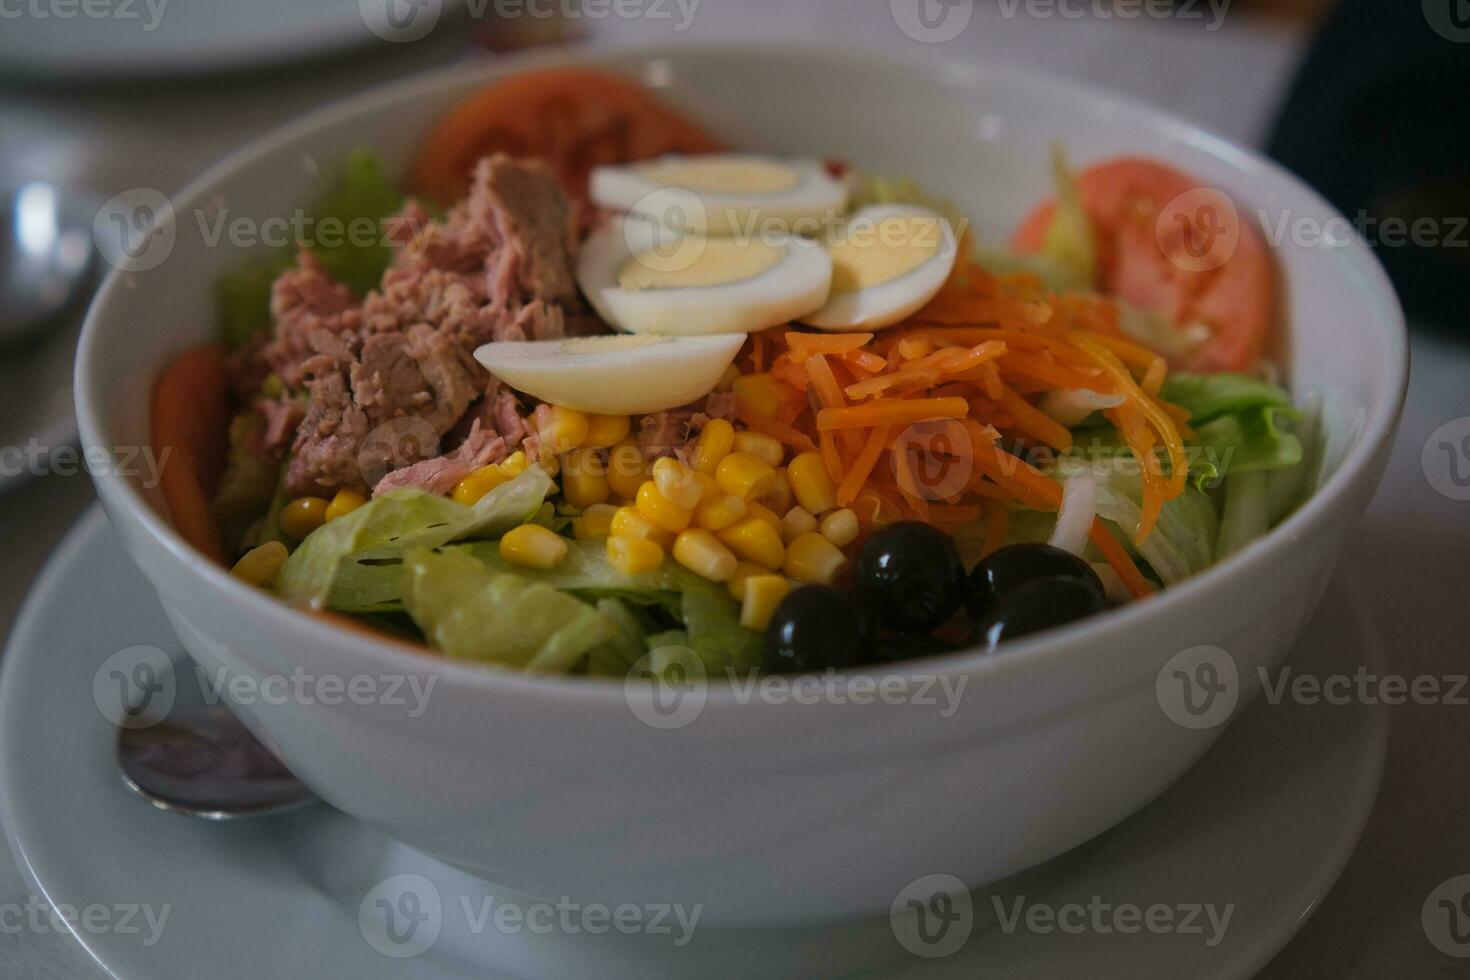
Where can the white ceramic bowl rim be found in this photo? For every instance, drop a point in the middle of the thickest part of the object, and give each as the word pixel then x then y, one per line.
pixel 1046 648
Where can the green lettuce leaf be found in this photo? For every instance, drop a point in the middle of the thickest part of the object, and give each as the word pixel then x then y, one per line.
pixel 248 483
pixel 362 197
pixel 243 299
pixel 349 564
pixel 470 612
pixel 1240 423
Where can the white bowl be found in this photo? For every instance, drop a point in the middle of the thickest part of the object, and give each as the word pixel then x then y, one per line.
pixel 766 811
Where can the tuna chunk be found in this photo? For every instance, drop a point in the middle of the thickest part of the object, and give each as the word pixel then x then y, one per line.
pixel 440 474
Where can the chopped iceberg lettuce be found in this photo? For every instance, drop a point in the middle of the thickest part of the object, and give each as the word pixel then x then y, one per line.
pixel 1238 423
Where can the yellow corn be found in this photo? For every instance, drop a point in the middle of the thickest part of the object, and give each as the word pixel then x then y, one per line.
pixel 744 572
pixel 727 378
pixel 604 431
pixel 549 463
pixel 344 503
pixel 584 479
pixel 629 523
pixel 763 512
pixel 761 446
pixel 708 488
pixel 745 476
pixel 563 429
pixel 703 554
pixel 840 527
pixel 626 469
pixel 660 510
pixel 514 465
pixel 763 593
pixel 677 483
pixel 758 391
pixel 631 555
pixel 755 540
pixel 534 546
pixel 474 486
pixel 797 522
pixel 779 498
pixel 303 515
pixel 812 559
pixel 713 444
pixel 811 483
pixel 720 513
pixel 260 566
pixel 594 522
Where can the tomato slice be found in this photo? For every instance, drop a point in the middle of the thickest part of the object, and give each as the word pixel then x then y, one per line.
pixel 572 118
pixel 1169 244
pixel 190 422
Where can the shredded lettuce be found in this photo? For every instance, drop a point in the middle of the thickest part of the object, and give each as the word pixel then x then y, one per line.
pixel 249 481
pixel 243 299
pixel 1239 421
pixel 1069 244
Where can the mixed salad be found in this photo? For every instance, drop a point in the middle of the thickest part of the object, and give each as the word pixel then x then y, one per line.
pixel 597 387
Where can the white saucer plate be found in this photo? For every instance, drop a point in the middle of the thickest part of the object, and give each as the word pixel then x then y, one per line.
pixel 1258 831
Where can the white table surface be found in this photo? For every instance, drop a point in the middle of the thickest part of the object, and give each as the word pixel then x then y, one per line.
pixel 1413 539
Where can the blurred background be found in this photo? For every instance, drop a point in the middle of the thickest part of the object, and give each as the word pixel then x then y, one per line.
pixel 1364 99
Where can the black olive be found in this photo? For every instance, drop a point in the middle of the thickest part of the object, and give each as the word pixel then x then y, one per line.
pixel 1015 565
pixel 909 576
pixel 815 628
pixel 905 646
pixel 1038 605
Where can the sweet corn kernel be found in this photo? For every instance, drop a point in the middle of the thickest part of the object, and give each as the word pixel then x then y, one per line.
pixel 798 521
pixel 562 429
pixel 811 483
pixel 763 593
pixel 758 391
pixel 550 464
pixel 534 546
pixel 660 510
pixel 745 476
pixel 474 486
pixel 713 444
pixel 727 378
pixel 761 446
pixel 677 483
pixel 703 554
pixel 744 571
pixel 813 559
pixel 514 465
pixel 755 540
pixel 604 431
pixel 840 527
pixel 753 509
pixel 594 522
pixel 584 479
pixel 779 498
pixel 631 555
pixel 626 469
pixel 627 522
pixel 720 513
pixel 709 489
pixel 344 503
pixel 303 515
pixel 260 566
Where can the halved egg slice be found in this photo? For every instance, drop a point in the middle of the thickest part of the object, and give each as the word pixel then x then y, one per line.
pixel 887 261
pixel 647 280
pixel 613 375
pixel 732 194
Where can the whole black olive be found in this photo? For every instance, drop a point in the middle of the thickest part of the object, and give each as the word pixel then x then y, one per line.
pixel 1015 565
pixel 1038 605
pixel 815 628
pixel 909 576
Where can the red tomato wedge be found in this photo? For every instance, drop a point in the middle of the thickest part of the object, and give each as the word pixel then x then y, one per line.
pixel 572 118
pixel 190 422
pixel 1169 244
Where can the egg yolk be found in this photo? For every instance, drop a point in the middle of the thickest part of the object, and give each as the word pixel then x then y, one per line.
pixel 610 343
pixel 868 254
pixel 714 262
pixel 724 175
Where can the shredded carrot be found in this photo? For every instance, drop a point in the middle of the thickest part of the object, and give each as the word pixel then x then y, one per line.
pixel 847 490
pixel 1117 557
pixel 827 343
pixel 773 427
pixel 892 410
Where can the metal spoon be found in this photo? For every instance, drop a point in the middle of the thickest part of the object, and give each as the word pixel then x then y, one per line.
pixel 202 762
pixel 46 256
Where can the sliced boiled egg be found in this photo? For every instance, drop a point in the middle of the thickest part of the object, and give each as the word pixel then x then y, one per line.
pixel 731 194
pixel 620 374
pixel 887 261
pixel 645 279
